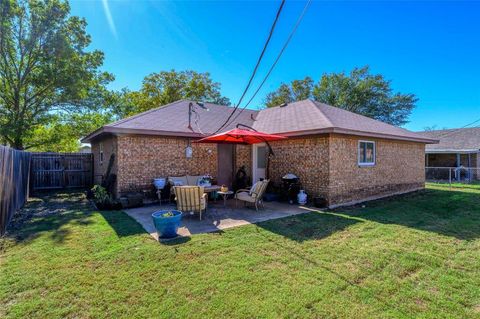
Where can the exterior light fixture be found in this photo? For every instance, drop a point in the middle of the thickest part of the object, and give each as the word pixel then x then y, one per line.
pixel 188 150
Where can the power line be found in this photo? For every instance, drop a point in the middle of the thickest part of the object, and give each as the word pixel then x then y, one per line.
pixel 256 67
pixel 458 129
pixel 290 36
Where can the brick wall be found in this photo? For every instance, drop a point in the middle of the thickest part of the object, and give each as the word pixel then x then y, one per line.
pixel 305 157
pixel 327 165
pixel 399 167
pixel 143 158
pixel 109 147
pixel 442 160
pixel 244 158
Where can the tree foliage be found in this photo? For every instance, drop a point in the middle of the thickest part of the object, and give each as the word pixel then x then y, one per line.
pixel 297 90
pixel 45 71
pixel 169 86
pixel 63 135
pixel 360 92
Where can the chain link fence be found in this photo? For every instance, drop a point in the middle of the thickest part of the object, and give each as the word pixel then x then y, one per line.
pixel 462 175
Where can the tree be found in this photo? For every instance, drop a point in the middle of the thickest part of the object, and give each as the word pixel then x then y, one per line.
pixel 169 86
pixel 296 91
pixel 359 92
pixel 45 71
pixel 281 96
pixel 63 135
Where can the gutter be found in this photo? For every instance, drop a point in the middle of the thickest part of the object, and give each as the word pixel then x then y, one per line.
pixel 118 131
pixel 359 133
pixel 448 151
pixel 328 130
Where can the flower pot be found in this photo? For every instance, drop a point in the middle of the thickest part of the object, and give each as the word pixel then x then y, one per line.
pixel 159 183
pixel 302 197
pixel 167 226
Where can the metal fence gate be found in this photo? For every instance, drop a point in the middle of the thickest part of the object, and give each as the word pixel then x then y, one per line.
pixel 61 170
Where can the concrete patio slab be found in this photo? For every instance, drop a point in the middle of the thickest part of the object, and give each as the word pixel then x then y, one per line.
pixel 217 217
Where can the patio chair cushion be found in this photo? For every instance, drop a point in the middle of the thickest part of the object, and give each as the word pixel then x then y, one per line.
pixel 179 180
pixel 254 188
pixel 245 196
pixel 190 198
pixel 193 179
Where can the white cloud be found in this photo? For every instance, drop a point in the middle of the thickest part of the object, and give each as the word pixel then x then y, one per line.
pixel 109 17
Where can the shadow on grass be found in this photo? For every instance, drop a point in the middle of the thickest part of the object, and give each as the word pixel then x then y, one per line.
pixel 175 241
pixel 446 212
pixel 50 214
pixel 122 224
pixel 312 226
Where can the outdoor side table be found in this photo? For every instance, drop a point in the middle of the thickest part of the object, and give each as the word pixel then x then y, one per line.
pixel 225 195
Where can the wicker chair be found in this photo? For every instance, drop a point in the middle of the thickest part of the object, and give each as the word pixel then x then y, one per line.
pixel 191 199
pixel 254 196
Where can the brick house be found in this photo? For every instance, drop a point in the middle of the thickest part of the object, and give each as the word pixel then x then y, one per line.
pixel 338 155
pixel 456 148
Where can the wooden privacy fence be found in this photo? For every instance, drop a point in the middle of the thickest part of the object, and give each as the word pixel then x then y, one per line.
pixel 14 183
pixel 61 170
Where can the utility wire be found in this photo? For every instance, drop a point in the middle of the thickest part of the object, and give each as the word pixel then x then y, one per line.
pixel 256 67
pixel 458 129
pixel 290 36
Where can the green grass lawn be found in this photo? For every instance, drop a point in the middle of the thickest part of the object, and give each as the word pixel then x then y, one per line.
pixel 416 255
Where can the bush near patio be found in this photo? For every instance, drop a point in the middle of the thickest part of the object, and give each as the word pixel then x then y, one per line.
pixel 414 255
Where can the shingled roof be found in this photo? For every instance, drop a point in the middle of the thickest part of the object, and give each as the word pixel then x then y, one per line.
pixel 294 119
pixel 454 140
pixel 172 120
pixel 310 117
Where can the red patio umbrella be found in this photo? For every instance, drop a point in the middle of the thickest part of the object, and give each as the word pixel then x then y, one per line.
pixel 240 136
pixel 244 136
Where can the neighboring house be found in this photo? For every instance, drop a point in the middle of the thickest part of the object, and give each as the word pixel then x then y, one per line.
pixel 456 148
pixel 85 149
pixel 338 155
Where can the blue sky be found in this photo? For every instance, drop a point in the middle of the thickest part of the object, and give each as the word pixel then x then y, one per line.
pixel 431 49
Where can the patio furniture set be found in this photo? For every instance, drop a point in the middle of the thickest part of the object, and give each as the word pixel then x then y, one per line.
pixel 191 192
pixel 194 199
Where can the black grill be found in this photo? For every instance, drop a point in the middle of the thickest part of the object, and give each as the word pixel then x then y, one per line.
pixel 290 188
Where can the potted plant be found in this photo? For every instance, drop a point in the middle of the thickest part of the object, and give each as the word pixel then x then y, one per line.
pixel 103 200
pixel 167 222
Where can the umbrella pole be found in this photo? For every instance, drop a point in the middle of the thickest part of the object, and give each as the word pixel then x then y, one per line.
pixel 267 173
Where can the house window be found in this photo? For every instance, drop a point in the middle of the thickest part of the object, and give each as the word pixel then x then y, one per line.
pixel 101 153
pixel 366 153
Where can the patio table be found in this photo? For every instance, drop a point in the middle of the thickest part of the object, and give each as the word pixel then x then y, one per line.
pixel 211 189
pixel 225 195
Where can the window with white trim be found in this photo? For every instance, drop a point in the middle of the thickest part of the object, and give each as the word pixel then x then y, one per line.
pixel 366 153
pixel 101 153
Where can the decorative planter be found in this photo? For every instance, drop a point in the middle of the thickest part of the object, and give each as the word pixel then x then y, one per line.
pixel 302 197
pixel 167 226
pixel 159 183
